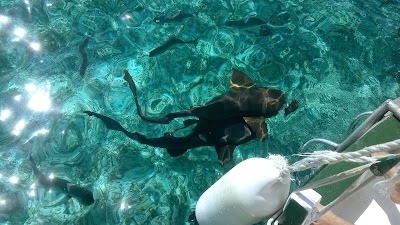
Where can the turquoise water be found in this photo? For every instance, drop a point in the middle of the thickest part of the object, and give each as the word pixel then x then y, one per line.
pixel 338 58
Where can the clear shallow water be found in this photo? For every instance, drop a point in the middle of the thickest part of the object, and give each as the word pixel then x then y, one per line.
pixel 337 58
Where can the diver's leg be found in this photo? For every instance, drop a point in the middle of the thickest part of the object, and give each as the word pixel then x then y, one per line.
pixel 114 125
pixel 110 123
pixel 175 145
pixel 164 120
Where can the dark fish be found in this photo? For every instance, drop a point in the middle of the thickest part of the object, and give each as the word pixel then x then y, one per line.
pixel 85 62
pixel 263 30
pixel 225 122
pixel 163 48
pixel 292 107
pixel 253 21
pixel 178 17
pixel 84 196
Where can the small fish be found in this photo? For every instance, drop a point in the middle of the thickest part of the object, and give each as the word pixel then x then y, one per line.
pixel 163 48
pixel 85 62
pixel 178 17
pixel 263 30
pixel 84 196
pixel 294 104
pixel 253 21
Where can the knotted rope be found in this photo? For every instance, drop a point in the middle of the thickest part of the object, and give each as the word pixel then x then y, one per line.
pixel 323 157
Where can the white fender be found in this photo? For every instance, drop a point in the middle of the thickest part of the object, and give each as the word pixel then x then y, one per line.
pixel 251 191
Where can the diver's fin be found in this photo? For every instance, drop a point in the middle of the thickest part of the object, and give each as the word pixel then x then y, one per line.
pixel 225 153
pixel 114 125
pixel 110 123
pixel 132 85
pixel 175 152
pixel 240 81
pixel 164 120
pixel 258 125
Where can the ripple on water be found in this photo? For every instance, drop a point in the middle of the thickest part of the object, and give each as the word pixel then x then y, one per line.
pixel 54 7
pixel 158 104
pixel 224 42
pixel 200 94
pixel 92 20
pixel 118 100
pixel 66 139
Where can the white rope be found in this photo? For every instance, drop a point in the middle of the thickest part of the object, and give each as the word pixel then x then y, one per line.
pixel 280 163
pixel 337 177
pixel 320 158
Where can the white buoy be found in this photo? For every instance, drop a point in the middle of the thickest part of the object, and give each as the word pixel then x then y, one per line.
pixel 250 192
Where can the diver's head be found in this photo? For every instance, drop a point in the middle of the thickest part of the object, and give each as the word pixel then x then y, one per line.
pixel 274 99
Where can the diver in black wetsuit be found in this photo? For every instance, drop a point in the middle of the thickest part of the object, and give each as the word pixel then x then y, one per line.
pixel 225 122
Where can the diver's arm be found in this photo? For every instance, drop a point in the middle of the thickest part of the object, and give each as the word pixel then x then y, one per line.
pixel 395 193
pixel 329 218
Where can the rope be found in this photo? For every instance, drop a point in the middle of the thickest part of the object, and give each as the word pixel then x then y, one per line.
pixel 323 157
